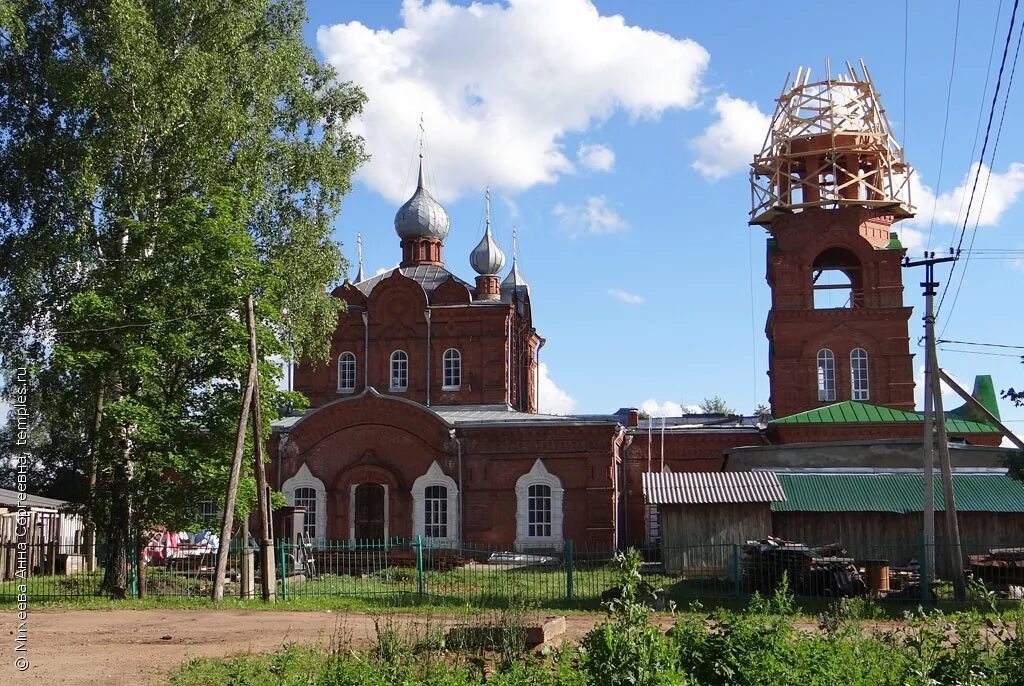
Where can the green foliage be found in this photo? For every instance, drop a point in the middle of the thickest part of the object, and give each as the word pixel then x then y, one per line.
pixel 715 405
pixel 163 159
pixel 626 649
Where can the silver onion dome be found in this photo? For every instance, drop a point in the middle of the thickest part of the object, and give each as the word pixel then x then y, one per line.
pixel 487 259
pixel 421 216
pixel 514 283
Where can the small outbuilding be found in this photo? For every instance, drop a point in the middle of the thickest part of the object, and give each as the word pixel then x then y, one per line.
pixel 705 515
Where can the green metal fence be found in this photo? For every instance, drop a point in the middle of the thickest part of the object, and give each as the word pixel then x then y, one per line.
pixel 400 572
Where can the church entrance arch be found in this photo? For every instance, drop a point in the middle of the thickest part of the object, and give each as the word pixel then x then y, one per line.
pixel 369 511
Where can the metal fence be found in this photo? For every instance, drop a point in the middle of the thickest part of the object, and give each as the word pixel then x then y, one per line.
pixel 402 572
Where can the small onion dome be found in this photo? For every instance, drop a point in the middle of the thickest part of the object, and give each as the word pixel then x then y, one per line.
pixel 421 216
pixel 514 283
pixel 487 258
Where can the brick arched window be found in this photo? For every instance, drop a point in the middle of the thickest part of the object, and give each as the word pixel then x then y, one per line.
pixel 399 371
pixel 859 374
pixel 435 498
pixel 539 509
pixel 452 369
pixel 305 489
pixel 826 375
pixel 346 372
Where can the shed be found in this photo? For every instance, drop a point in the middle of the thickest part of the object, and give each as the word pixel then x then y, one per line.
pixel 704 515
pixel 53 534
pixel 879 515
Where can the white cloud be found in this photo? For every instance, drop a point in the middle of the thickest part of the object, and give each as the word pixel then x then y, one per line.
pixel 596 156
pixel 667 408
pixel 1003 191
pixel 592 219
pixel 500 85
pixel 729 144
pixel 553 400
pixel 625 296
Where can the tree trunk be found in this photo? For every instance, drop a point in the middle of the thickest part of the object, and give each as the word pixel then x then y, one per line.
pixel 90 513
pixel 115 573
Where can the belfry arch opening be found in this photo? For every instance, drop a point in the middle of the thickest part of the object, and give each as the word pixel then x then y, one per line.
pixel 837 280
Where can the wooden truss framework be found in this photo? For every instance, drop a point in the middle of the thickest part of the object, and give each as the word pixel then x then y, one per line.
pixel 829 145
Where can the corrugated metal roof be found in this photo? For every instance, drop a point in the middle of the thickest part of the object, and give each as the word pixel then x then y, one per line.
pixel 898 493
pixel 9 498
pixel 850 411
pixel 686 488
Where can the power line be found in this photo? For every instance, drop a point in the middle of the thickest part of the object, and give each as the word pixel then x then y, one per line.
pixel 986 345
pixel 980 352
pixel 988 178
pixel 984 145
pixel 945 121
pixel 140 325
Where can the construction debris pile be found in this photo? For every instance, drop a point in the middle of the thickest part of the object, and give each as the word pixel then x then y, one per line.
pixel 1000 566
pixel 825 571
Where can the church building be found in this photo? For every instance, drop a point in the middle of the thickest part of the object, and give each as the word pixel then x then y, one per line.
pixel 425 422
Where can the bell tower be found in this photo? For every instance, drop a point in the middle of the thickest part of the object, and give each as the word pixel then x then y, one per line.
pixel 828 186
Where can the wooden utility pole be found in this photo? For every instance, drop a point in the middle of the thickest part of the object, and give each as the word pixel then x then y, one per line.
pixel 933 388
pixel 236 461
pixel 268 578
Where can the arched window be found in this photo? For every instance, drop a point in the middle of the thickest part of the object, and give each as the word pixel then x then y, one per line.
pixel 399 371
pixel 859 374
pixel 305 496
pixel 435 512
pixel 452 370
pixel 435 499
pixel 538 509
pixel 346 373
pixel 307 490
pixel 826 375
pixel 837 281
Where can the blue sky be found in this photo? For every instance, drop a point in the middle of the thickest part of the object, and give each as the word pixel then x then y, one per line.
pixel 615 136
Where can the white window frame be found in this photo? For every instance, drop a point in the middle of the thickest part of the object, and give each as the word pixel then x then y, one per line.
pixel 347 359
pixel 451 370
pixel 435 476
pixel 305 479
pixel 826 367
pixel 538 476
pixel 307 500
pixel 859 375
pixel 401 358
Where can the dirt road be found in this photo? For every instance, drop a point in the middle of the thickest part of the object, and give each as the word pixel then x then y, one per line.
pixel 145 646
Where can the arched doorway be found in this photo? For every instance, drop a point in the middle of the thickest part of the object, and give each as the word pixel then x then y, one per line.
pixel 369 510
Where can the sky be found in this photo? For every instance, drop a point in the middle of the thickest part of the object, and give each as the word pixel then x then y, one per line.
pixel 616 136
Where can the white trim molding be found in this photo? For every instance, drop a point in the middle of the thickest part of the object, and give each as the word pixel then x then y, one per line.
pixel 538 476
pixel 435 476
pixel 305 479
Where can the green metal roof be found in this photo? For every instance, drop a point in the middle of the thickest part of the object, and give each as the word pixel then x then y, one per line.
pixel 899 493
pixel 852 412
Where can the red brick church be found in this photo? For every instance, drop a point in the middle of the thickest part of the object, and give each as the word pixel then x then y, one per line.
pixel 425 420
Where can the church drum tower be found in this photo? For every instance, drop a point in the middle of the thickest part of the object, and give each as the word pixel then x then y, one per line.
pixel 828 186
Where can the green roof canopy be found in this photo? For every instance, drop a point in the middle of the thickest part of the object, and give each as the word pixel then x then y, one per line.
pixel 898 493
pixel 853 412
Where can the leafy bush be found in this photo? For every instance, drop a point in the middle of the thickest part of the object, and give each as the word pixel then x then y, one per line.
pixel 626 649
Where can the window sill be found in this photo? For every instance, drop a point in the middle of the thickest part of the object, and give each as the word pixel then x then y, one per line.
pixel 450 389
pixel 346 391
pixel 398 390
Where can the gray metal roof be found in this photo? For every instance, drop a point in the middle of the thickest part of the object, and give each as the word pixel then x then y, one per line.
pixel 9 498
pixel 691 488
pixel 428 276
pixel 474 415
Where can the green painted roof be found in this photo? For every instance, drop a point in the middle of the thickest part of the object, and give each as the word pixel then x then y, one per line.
pixel 852 412
pixel 899 493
